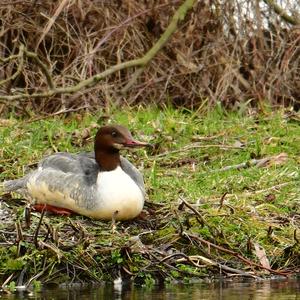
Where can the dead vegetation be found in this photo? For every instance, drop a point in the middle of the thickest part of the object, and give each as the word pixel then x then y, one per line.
pixel 231 52
pixel 167 244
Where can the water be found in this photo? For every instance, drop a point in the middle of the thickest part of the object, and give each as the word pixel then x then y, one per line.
pixel 264 290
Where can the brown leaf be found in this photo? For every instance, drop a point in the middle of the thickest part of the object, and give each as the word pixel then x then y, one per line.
pixel 270 197
pixel 261 255
pixel 238 144
pixel 186 61
pixel 79 138
pixel 85 133
pixel 279 159
pixel 273 160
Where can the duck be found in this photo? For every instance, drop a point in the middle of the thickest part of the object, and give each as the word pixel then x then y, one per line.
pixel 99 185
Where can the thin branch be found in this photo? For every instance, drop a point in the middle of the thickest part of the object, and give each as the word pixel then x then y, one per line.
pixel 63 111
pixel 43 67
pixel 282 13
pixel 7 59
pixel 233 253
pixel 133 79
pixel 262 162
pixel 51 22
pixel 36 233
pixel 20 57
pixel 125 23
pixel 246 194
pixel 196 146
pixel 208 261
pixel 195 211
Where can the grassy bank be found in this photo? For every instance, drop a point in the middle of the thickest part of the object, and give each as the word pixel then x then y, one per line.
pixel 223 199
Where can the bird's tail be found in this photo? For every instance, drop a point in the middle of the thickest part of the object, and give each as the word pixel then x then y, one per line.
pixel 14 185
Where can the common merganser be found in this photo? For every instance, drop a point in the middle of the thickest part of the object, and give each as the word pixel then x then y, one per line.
pixel 100 185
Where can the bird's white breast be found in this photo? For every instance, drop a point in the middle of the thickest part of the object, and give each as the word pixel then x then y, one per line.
pixel 118 194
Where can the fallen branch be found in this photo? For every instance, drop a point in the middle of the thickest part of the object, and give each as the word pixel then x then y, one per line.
pixel 233 253
pixel 271 188
pixel 276 159
pixel 170 267
pixel 194 261
pixel 210 262
pixel 282 13
pixel 62 111
pixel 197 146
pixel 195 211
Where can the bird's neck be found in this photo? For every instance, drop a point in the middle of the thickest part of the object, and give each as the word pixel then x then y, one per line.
pixel 108 160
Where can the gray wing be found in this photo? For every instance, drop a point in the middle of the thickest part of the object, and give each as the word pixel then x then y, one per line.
pixel 67 183
pixel 83 165
pixel 134 173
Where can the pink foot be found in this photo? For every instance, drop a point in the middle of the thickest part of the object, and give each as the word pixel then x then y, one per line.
pixel 54 209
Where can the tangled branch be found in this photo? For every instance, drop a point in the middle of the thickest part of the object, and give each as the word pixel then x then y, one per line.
pixel 282 13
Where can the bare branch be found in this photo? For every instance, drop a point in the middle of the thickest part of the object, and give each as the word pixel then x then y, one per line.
pixel 20 57
pixel 43 67
pixel 282 13
pixel 52 21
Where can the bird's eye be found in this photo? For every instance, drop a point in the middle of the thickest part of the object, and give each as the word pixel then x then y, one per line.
pixel 114 134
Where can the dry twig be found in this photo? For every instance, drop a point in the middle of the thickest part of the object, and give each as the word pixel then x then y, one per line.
pixel 233 253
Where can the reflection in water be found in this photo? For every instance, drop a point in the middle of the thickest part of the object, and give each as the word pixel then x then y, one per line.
pixel 264 290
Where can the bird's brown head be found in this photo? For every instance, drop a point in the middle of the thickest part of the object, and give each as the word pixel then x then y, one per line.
pixel 109 140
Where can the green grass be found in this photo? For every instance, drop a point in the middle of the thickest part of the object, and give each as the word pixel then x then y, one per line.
pixel 261 204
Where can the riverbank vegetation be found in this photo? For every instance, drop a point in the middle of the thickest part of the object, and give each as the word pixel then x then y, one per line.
pixel 223 200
